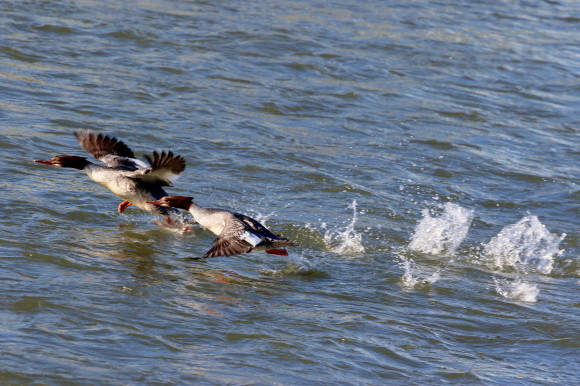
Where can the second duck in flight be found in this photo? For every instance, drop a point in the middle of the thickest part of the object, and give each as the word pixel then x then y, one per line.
pixel 237 233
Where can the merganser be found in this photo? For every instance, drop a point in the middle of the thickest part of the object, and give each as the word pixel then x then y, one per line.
pixel 129 178
pixel 237 233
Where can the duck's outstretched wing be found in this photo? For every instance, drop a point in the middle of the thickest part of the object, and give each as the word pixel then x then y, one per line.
pixel 110 150
pixel 228 247
pixel 234 239
pixel 166 166
pixel 164 170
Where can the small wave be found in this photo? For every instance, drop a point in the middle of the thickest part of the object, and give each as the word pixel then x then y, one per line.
pixel 526 246
pixel 346 241
pixel 517 290
pixel 442 234
pixel 296 266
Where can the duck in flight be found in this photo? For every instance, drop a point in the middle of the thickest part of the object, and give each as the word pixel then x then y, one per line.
pixel 131 179
pixel 236 233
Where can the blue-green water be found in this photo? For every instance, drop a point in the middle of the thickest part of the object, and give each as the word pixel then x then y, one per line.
pixel 424 156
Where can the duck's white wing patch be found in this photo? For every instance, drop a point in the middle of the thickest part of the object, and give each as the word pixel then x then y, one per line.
pixel 139 164
pixel 250 238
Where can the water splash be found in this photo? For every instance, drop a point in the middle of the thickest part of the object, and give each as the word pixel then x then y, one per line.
pixel 443 234
pixel 345 241
pixel 526 246
pixel 435 236
pixel 263 218
pixel 413 278
pixel 517 290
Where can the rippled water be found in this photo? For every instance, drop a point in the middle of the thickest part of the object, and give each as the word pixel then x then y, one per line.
pixel 424 156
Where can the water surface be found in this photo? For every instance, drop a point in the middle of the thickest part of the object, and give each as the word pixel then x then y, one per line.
pixel 422 154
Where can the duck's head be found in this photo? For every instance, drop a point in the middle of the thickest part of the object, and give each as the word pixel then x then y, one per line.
pixel 179 202
pixel 66 161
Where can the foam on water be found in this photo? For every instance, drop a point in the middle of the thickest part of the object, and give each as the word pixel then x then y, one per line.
pixel 516 289
pixel 345 241
pixel 526 246
pixel 442 234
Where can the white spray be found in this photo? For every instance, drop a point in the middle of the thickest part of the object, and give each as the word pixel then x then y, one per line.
pixel 346 241
pixel 526 246
pixel 443 234
pixel 440 235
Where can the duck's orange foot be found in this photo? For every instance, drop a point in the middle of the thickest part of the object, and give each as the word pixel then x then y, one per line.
pixel 279 252
pixel 124 205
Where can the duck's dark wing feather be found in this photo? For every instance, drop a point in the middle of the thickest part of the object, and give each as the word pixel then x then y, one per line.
pixel 255 226
pixel 230 241
pixel 165 168
pixel 108 149
pixel 228 247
